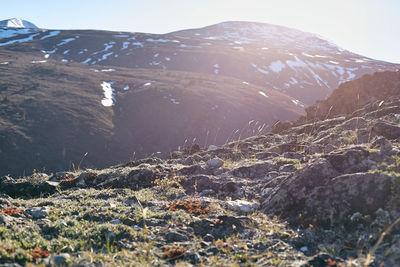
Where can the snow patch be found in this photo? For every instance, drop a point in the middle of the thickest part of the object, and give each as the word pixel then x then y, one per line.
pixel 121 35
pixel 161 40
pixel 125 45
pixel 66 41
pixel 108 70
pixel 297 103
pixel 138 44
pixel 277 66
pixel 263 94
pixel 38 61
pixel 173 100
pixel 86 61
pixel 216 68
pixel 50 34
pixel 126 88
pixel 108 99
pixel 27 39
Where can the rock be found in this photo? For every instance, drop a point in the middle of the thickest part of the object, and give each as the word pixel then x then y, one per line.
pixel 318 194
pixel 212 148
pixel 137 178
pixel 193 256
pixel 242 206
pixel 5 219
pixel 194 148
pixel 287 168
pixel 207 192
pixel 383 144
pixel 348 160
pixel 215 162
pixel 201 183
pixel 38 212
pixel 266 191
pixel 224 226
pixel 256 170
pixel 208 238
pixel 387 130
pixel 292 155
pixel 115 221
pixel 61 259
pixel 175 237
pixel 131 201
pixel 24 188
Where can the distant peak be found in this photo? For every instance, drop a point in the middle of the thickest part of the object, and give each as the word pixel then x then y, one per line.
pixel 17 23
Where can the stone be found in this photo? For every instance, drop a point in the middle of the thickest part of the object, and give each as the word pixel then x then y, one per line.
pixel 242 206
pixel 115 221
pixel 318 194
pixel 5 219
pixel 212 148
pixel 287 168
pixel 390 131
pixel 175 237
pixel 215 162
pixel 38 212
pixel 61 259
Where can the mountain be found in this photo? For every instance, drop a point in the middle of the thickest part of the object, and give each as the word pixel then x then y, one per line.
pixel 118 95
pixel 322 192
pixel 17 23
pixel 52 112
pixel 301 65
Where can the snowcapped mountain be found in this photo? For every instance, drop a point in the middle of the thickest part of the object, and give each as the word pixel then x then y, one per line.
pixel 301 65
pixel 17 23
pixel 256 33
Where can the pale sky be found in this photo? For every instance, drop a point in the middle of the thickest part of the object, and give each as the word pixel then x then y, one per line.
pixel 368 27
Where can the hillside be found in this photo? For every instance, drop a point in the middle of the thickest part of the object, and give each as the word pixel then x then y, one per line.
pixel 318 193
pixel 52 112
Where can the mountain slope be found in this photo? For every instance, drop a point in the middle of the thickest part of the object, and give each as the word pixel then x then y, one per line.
pixel 53 112
pixel 299 64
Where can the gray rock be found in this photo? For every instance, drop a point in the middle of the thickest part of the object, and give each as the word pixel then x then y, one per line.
pixel 242 206
pixel 212 148
pixel 61 259
pixel 5 219
pixel 387 130
pixel 115 221
pixel 175 237
pixel 292 155
pixel 287 168
pixel 319 194
pixel 38 212
pixel 215 162
pixel 256 170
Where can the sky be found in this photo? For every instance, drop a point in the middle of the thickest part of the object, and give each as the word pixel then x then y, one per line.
pixel 367 27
